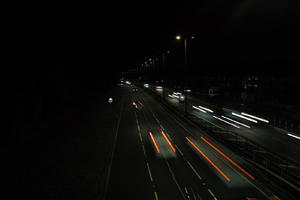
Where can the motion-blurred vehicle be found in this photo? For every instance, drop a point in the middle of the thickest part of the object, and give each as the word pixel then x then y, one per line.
pixel 134 89
pixel 160 145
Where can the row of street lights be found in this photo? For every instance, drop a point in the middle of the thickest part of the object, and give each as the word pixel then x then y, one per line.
pixel 148 62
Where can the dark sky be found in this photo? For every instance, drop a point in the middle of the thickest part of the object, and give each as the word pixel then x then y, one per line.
pixel 108 38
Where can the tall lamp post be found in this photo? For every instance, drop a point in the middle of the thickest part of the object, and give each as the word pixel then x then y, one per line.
pixel 185 40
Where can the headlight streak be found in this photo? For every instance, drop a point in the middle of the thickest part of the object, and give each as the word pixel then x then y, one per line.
pixel 226 122
pixel 199 109
pixel 207 109
pixel 254 117
pixel 235 121
pixel 294 136
pixel 241 116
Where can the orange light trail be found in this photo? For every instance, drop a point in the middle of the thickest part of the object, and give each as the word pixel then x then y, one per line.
pixel 170 144
pixel 213 164
pixel 234 163
pixel 156 147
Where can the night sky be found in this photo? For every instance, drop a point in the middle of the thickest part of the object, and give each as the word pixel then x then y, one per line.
pixel 62 50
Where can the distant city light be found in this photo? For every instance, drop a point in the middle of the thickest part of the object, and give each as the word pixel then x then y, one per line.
pixel 178 37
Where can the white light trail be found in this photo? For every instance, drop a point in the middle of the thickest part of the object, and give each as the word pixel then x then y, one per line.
pixel 241 116
pixel 226 122
pixel 235 121
pixel 199 109
pixel 207 109
pixel 254 117
pixel 294 136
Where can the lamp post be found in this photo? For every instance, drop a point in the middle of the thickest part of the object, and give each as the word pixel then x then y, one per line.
pixel 185 40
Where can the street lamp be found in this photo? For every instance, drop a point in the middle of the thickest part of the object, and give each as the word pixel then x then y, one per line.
pixel 185 38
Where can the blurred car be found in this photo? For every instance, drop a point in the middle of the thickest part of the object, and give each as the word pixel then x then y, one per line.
pixel 160 145
pixel 134 89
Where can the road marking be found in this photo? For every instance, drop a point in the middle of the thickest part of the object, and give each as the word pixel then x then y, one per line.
pixel 194 170
pixel 194 195
pixel 178 150
pixel 155 194
pixel 113 151
pixel 198 195
pixel 174 179
pixel 149 171
pixel 212 194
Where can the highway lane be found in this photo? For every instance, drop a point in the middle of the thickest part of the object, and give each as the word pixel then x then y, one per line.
pixel 262 134
pixel 128 174
pixel 212 183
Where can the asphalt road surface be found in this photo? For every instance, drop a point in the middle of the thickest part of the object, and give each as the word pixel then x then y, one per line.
pixel 273 139
pixel 155 155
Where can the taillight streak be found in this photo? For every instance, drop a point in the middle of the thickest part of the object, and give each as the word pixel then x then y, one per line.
pixel 155 144
pixel 213 164
pixel 167 139
pixel 234 163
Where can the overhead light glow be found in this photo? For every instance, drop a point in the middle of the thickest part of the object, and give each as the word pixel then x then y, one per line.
pixel 226 122
pixel 254 117
pixel 235 121
pixel 199 109
pixel 241 116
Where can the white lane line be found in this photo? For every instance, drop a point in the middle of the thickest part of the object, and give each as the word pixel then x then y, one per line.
pixel 212 194
pixel 174 179
pixel 194 195
pixel 155 195
pixel 180 152
pixel 113 151
pixel 149 171
pixel 194 170
pixel 198 195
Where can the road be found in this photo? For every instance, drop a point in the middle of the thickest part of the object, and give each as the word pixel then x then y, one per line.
pixel 273 139
pixel 198 168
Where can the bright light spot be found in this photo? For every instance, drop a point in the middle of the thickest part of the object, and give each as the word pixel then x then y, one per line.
pixel 159 87
pixel 146 85
pixel 294 136
pixel 110 100
pixel 188 90
pixel 199 109
pixel 178 37
pixel 128 82
pixel 207 109
pixel 241 116
pixel 226 122
pixel 236 121
pixel 254 117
